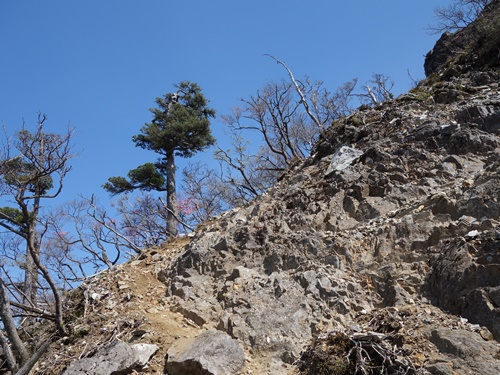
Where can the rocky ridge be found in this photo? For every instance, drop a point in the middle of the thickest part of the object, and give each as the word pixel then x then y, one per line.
pixel 388 235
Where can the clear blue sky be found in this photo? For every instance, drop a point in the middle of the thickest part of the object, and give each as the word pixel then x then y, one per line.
pixel 97 66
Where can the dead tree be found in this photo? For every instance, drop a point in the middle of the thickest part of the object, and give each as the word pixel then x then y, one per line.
pixel 456 15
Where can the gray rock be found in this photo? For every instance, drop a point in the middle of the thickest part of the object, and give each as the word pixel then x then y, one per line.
pixel 465 277
pixel 439 54
pixel 210 353
pixel 342 159
pixel 469 353
pixel 117 358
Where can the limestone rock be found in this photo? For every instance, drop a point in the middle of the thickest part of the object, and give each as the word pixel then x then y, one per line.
pixel 210 353
pixel 390 227
pixel 468 351
pixel 117 358
pixel 464 279
pixel 342 159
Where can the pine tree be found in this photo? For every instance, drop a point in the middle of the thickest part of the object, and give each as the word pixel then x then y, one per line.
pixel 180 127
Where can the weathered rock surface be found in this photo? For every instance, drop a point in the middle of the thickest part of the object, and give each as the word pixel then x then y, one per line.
pixel 117 358
pixel 210 353
pixel 398 206
pixel 411 217
pixel 388 232
pixel 467 350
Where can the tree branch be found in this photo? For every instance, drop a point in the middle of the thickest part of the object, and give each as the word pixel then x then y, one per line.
pixel 10 326
pixel 175 216
pixel 25 370
pixel 299 91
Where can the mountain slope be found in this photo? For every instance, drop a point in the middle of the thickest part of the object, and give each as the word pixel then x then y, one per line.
pixel 388 233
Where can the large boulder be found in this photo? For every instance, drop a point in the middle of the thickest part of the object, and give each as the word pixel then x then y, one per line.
pixel 210 353
pixel 118 358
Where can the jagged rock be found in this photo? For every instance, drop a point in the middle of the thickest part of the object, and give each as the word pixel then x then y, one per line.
pixel 391 224
pixel 210 353
pixel 464 279
pixel 342 159
pixel 117 358
pixel 469 352
pixel 439 54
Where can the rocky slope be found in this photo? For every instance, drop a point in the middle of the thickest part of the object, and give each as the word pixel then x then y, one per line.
pixel 386 240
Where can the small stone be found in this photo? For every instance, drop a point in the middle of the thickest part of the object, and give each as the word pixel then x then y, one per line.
pixel 473 234
pixel 355 328
pixel 486 334
pixel 475 327
pixel 467 219
pixel 449 129
pixel 95 296
pixel 139 333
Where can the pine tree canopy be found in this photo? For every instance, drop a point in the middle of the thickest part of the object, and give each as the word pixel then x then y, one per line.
pixel 180 126
pixel 145 177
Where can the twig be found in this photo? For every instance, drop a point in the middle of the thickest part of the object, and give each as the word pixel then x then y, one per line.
pixel 83 351
pixel 40 312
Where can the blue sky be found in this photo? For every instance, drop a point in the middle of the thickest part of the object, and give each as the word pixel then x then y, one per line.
pixel 97 66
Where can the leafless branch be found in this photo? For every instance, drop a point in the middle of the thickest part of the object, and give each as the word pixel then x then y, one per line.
pixel 299 91
pixel 174 215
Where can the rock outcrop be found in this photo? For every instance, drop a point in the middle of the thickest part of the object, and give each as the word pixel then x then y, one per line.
pixel 387 236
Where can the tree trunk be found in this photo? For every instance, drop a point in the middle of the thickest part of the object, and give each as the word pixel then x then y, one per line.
pixel 171 196
pixel 32 246
pixel 11 330
pixel 30 280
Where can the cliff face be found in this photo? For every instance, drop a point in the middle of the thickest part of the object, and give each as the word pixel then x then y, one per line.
pixel 386 237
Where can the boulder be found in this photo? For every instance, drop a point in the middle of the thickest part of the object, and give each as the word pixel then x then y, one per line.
pixel 210 353
pixel 118 358
pixel 464 279
pixel 467 351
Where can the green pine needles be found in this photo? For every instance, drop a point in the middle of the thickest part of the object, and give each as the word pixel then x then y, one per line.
pixel 180 127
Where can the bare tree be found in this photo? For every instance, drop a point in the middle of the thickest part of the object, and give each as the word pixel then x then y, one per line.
pixel 84 239
pixel 104 239
pixel 288 116
pixel 32 169
pixel 377 90
pixel 456 15
pixel 141 219
pixel 242 177
pixel 204 195
pixel 298 89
